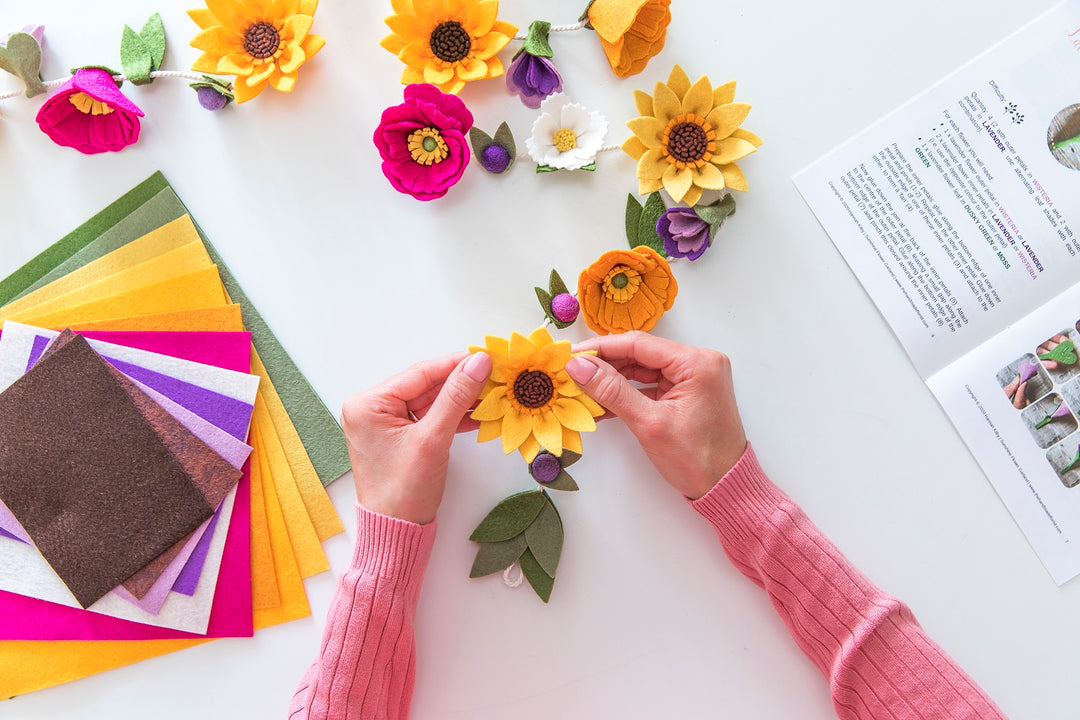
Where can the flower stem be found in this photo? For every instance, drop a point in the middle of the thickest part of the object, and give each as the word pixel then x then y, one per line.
pixel 1059 144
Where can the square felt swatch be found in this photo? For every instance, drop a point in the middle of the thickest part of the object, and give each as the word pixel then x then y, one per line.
pixel 87 476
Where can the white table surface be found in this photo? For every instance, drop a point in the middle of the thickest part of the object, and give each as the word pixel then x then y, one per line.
pixel 648 619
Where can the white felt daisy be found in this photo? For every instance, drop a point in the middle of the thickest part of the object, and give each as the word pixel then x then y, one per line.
pixel 566 136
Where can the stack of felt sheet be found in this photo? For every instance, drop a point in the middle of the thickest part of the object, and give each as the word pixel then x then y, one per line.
pixel 162 460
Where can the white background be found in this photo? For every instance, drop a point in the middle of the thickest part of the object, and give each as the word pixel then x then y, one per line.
pixel 647 619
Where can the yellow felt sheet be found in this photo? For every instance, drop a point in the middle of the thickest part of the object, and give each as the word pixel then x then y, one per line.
pixel 294 602
pixel 319 508
pixel 198 289
pixel 168 237
pixel 310 557
pixel 223 318
pixel 264 584
pixel 183 260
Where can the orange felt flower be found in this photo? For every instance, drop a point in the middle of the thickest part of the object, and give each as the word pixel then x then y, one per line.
pixel 447 43
pixel 631 32
pixel 260 42
pixel 626 290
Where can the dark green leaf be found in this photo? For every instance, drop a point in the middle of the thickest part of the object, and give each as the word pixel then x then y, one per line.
pixel 21 56
pixel 510 517
pixel 135 57
pixel 153 34
pixel 497 556
pixel 563 482
pixel 569 457
pixel 479 140
pixel 536 42
pixel 556 284
pixel 505 138
pixel 633 218
pixel 646 234
pixel 541 582
pixel 544 297
pixel 545 538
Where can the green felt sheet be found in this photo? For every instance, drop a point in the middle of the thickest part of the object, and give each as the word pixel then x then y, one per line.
pixel 148 206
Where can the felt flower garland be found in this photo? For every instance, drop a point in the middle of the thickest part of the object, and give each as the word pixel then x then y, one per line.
pixel 262 44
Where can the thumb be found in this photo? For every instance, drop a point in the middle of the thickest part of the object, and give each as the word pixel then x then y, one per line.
pixel 457 395
pixel 607 386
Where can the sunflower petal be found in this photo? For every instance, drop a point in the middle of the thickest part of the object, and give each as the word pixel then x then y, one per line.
pixel 748 136
pixel 699 98
pixel 677 181
pixel 666 104
pixel 529 449
pixel 572 414
pixel 709 177
pixel 521 349
pixel 634 147
pixel 644 103
pixel 648 130
pixel 548 431
pixel 692 195
pixel 494 406
pixel 489 430
pixel 591 405
pixel 734 178
pixel 571 440
pixel 678 81
pixel 724 94
pixel 726 118
pixel 651 165
pixel 515 428
pixel 541 337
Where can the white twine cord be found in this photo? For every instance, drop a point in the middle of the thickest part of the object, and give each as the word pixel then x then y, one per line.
pixel 516 581
pixel 580 25
pixel 50 84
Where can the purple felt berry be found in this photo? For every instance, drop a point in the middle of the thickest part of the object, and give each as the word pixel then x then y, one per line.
pixel 495 158
pixel 545 467
pixel 564 307
pixel 210 98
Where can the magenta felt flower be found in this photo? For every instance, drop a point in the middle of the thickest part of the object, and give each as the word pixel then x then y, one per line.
pixel 422 142
pixel 90 114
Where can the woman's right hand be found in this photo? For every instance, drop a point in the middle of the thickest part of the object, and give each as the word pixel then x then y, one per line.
pixel 684 416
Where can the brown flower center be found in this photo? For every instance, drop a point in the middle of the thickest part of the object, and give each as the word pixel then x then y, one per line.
pixel 688 142
pixel 450 42
pixel 261 40
pixel 533 388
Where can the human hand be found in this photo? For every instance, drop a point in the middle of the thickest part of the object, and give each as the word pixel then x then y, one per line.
pixel 1048 346
pixel 399 433
pixel 685 416
pixel 1016 391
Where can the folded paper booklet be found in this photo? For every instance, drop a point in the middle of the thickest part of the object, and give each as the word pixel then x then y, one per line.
pixel 958 214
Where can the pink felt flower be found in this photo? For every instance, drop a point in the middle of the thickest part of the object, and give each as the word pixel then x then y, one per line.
pixel 90 114
pixel 422 142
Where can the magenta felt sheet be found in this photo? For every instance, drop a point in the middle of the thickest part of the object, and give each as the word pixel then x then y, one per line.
pixel 32 619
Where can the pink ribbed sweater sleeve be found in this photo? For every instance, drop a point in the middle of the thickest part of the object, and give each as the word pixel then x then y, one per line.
pixel 879 661
pixel 366 665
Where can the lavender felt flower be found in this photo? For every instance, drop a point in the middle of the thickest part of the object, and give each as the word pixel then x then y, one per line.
pixel 1027 370
pixel 683 232
pixel 533 78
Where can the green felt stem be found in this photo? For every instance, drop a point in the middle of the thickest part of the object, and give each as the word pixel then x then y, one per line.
pixel 1070 466
pixel 1044 422
pixel 1059 144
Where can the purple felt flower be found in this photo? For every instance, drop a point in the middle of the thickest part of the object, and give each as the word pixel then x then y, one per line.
pixel 683 232
pixel 1061 412
pixel 533 78
pixel 1027 371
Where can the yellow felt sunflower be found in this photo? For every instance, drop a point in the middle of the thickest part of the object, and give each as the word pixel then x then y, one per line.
pixel 447 42
pixel 688 138
pixel 530 401
pixel 261 42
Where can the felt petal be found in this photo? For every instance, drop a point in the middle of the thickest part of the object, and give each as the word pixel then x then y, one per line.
pixel 296 28
pixel 644 103
pixel 472 69
pixel 732 149
pixel 572 414
pixel 489 45
pixel 652 165
pixel 394 43
pixel 634 147
pixel 206 63
pixel 647 129
pixel 529 449
pixel 554 355
pixel 230 14
pixel 724 94
pixel 408 27
pixel 515 428
pixel 692 195
pixel 260 76
pixel 748 136
pixel 521 349
pixel 412 76
pixel 726 118
pixel 591 405
pixel 575 117
pixel 496 345
pixel 495 67
pixel 677 182
pixel 436 75
pixel 647 187
pixel 244 92
pixel 416 55
pixel 734 178
pixel 568 388
pixel 203 17
pixel 678 81
pixel 698 99
pixel 492 407
pixel 548 431
pixel 481 17
pixel 489 430
pixel 291 59
pixel 283 82
pixel 709 177
pixel 666 104
pixel 541 337
pixel 308 7
pixel 571 440
pixel 235 64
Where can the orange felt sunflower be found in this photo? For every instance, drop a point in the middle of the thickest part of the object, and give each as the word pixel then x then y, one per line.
pixel 631 31
pixel 688 138
pixel 530 401
pixel 261 42
pixel 626 290
pixel 447 42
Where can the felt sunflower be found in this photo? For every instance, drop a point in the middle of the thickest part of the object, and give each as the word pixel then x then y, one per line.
pixel 447 43
pixel 530 401
pixel 688 138
pixel 626 290
pixel 261 42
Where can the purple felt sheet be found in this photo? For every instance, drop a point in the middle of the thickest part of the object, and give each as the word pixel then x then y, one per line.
pixel 188 579
pixel 5 533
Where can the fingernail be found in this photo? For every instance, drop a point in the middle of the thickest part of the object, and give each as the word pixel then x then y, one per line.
pixel 478 367
pixel 581 370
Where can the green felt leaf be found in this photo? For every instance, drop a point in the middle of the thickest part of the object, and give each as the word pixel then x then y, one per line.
pixel 221 87
pixel 633 218
pixel 556 284
pixel 568 458
pixel 497 556
pixel 510 517
pixel 715 213
pixel 21 56
pixel 545 302
pixel 135 57
pixel 479 140
pixel 563 482
pixel 536 42
pixel 546 169
pixel 590 167
pixel 541 582
pixel 505 138
pixel 650 214
pixel 153 35
pixel 1063 353
pixel 545 538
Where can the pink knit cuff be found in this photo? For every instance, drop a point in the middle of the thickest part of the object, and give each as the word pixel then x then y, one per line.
pixel 740 504
pixel 391 547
